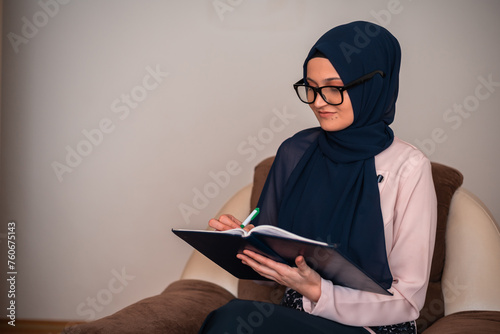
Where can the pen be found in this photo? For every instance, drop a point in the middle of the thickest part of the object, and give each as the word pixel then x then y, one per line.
pixel 252 215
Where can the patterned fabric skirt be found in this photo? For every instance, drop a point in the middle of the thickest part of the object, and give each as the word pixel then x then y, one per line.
pixel 293 299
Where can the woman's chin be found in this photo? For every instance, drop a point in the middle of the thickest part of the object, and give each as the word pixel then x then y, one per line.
pixel 332 125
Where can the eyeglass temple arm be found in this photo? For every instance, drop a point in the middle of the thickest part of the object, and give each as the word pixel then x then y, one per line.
pixel 364 78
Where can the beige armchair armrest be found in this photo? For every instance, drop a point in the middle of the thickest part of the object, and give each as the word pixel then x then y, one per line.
pixel 200 267
pixel 471 276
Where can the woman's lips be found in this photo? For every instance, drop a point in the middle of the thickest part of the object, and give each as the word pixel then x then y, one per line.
pixel 326 114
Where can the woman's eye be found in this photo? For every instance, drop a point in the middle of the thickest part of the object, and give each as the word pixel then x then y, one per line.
pixel 330 90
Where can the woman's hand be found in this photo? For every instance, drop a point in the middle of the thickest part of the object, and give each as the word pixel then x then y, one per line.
pixel 227 222
pixel 303 278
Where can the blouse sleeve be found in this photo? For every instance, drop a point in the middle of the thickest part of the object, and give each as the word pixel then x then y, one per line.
pixel 409 254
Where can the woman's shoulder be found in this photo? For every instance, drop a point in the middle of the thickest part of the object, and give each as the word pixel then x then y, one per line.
pixel 293 148
pixel 401 155
pixel 307 135
pixel 402 146
pixel 300 141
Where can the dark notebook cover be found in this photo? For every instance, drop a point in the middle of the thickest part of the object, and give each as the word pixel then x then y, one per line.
pixel 222 247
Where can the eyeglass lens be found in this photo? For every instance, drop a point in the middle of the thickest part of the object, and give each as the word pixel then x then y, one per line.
pixel 330 94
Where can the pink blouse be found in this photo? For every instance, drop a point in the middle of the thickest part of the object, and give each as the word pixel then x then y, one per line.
pixel 409 209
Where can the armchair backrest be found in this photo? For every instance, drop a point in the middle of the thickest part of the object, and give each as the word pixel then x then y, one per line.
pixel 471 275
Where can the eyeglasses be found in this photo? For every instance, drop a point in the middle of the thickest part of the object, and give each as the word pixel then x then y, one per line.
pixel 333 95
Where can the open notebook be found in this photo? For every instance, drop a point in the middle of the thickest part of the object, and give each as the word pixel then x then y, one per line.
pixel 282 246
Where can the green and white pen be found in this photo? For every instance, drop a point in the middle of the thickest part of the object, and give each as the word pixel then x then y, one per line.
pixel 252 215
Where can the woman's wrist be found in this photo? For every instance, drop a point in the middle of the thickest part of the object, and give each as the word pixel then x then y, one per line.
pixel 313 292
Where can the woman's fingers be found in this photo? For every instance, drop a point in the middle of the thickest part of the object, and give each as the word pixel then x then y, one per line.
pixel 301 264
pixel 230 220
pixel 217 225
pixel 225 222
pixel 303 278
pixel 262 265
pixel 248 227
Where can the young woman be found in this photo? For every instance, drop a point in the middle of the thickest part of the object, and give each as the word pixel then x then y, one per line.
pixel 350 182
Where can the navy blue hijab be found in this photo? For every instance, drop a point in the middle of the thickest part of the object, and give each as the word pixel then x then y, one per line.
pixel 324 184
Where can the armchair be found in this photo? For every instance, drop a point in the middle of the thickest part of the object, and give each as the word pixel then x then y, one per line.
pixel 463 294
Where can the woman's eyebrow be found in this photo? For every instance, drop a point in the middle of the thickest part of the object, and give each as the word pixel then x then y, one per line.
pixel 324 80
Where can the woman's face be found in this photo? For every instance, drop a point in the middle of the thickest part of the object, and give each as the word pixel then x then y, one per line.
pixel 320 72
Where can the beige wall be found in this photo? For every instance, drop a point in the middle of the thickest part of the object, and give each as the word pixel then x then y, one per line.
pixel 118 114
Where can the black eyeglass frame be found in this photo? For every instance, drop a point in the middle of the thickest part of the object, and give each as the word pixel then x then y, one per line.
pixel 341 89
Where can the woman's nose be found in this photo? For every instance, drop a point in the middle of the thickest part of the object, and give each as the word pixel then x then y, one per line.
pixel 319 101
